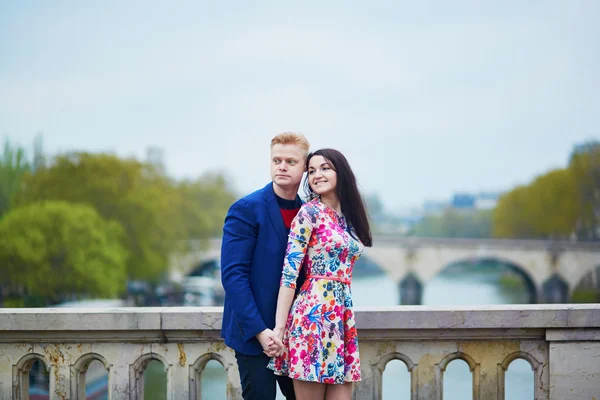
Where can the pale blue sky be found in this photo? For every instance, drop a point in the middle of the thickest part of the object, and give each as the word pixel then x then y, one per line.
pixel 425 98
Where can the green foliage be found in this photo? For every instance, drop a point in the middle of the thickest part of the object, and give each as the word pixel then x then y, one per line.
pixel 558 204
pixel 57 249
pixel 585 170
pixel 585 295
pixel 509 216
pixel 511 282
pixel 456 224
pixel 205 202
pixel 140 198
pixel 547 208
pixel 556 209
pixel 13 166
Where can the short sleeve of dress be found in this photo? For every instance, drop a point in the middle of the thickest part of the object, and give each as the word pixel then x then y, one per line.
pixel 300 232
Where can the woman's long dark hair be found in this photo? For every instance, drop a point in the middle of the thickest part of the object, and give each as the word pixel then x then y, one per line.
pixel 353 206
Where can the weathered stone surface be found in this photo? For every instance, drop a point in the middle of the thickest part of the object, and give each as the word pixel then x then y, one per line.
pixel 573 335
pixel 575 370
pixel 478 317
pixel 560 342
pixel 371 318
pixel 78 319
pixel 191 318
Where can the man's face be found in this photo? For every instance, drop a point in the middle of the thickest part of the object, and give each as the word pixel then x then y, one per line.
pixel 287 165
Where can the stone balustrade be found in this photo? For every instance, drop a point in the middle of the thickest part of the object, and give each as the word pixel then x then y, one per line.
pixel 560 342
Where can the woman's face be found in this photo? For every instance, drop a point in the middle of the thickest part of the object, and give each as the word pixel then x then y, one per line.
pixel 322 178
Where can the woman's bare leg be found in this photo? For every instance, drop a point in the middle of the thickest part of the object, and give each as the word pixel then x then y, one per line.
pixel 339 392
pixel 309 390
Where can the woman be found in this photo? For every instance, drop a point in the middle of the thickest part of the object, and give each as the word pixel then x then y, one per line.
pixel 320 346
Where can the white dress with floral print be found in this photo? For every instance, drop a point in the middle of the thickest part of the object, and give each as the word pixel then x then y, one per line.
pixel 320 340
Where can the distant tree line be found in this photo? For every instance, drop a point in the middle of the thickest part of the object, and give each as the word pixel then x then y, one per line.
pixel 560 204
pixel 83 224
pixel 456 223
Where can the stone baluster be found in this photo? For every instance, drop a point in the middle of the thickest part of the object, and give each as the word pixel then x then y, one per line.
pixel 179 353
pixel 118 378
pixel 6 373
pixel 425 339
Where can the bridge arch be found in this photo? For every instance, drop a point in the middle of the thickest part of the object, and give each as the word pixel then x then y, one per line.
pixel 533 290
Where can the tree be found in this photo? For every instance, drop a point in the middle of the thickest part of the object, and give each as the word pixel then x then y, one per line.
pixel 39 157
pixel 59 249
pixel 553 205
pixel 13 166
pixel 456 224
pixel 585 169
pixel 546 208
pixel 205 202
pixel 143 200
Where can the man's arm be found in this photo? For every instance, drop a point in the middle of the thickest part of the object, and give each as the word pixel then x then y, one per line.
pixel 237 249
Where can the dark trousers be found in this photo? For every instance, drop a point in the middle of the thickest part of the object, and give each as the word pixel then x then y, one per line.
pixel 258 382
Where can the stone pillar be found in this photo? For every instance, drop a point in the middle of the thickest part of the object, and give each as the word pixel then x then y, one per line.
pixel 118 378
pixel 60 374
pixel 6 370
pixel 411 290
pixel 181 370
pixel 574 364
pixel 555 290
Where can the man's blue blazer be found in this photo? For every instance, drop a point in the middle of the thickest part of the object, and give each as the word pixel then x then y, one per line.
pixel 252 251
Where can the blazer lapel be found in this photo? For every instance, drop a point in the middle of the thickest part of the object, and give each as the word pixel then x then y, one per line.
pixel 275 214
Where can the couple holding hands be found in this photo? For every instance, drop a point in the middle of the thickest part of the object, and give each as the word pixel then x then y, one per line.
pixel 286 267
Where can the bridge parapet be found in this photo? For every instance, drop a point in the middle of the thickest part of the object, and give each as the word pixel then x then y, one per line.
pixel 561 343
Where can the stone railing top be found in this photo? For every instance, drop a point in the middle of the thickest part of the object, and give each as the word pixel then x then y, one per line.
pixel 208 319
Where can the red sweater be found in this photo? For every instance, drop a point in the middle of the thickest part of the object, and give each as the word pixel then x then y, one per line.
pixel 289 209
pixel 288 216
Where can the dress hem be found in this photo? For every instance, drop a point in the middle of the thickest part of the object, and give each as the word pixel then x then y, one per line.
pixel 314 381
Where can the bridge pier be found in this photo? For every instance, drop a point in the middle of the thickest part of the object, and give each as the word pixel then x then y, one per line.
pixel 411 290
pixel 555 290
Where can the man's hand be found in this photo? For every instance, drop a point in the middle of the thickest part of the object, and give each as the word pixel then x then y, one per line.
pixel 270 342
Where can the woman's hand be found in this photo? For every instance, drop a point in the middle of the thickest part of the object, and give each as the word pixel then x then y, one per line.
pixel 278 331
pixel 270 342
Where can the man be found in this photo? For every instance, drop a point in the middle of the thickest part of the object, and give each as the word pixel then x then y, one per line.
pixel 254 241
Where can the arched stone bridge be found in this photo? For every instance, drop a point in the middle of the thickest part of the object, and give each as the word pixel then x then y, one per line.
pixel 551 269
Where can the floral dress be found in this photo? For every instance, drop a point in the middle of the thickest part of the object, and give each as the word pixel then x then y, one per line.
pixel 320 341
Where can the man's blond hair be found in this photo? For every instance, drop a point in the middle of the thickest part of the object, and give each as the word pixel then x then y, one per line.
pixel 297 139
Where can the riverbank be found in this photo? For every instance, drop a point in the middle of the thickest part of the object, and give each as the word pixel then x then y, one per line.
pixel 510 282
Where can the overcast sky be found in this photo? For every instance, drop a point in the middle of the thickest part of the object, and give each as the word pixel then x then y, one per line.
pixel 425 98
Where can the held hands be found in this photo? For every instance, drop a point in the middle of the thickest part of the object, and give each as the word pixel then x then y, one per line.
pixel 278 331
pixel 270 340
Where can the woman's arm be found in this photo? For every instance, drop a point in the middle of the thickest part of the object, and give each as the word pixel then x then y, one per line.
pixel 300 233
pixel 284 303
